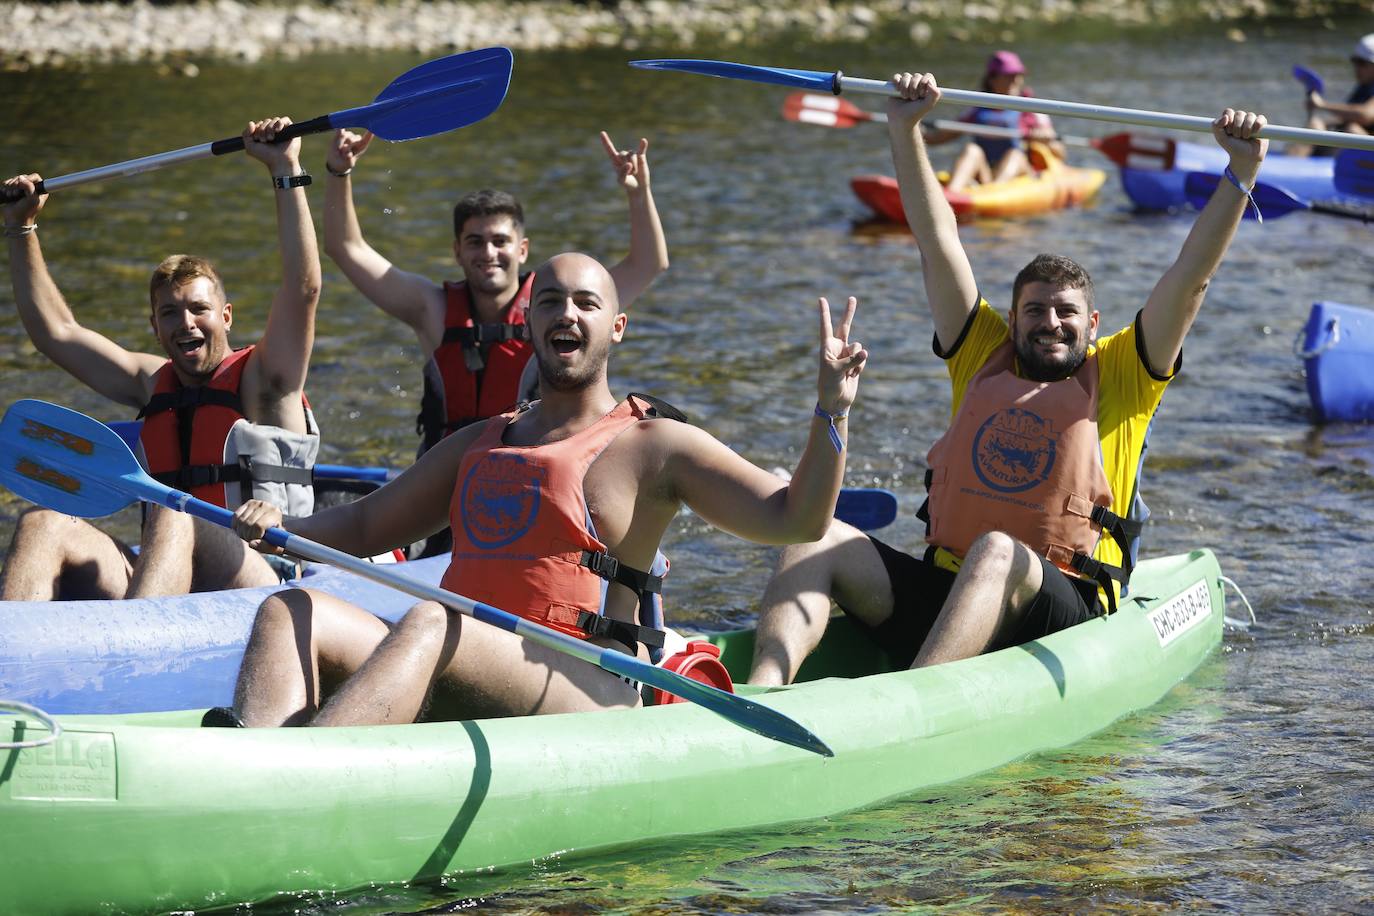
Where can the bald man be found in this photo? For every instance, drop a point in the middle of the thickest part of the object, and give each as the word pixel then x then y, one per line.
pixel 540 501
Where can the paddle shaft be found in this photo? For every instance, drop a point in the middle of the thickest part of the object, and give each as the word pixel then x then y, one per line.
pixel 1136 116
pixel 161 160
pixel 750 715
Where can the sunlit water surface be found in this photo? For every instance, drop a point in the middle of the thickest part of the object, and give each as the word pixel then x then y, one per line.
pixel 1249 788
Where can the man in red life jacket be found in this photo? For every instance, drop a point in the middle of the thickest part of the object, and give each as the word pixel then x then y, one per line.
pixel 532 496
pixel 227 421
pixel 472 333
pixel 1030 523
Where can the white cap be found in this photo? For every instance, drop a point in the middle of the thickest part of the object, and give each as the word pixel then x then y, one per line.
pixel 1364 49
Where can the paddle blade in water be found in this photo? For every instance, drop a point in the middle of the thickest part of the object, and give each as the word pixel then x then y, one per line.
pixel 1309 79
pixel 779 76
pixel 52 461
pixel 437 96
pixel 1355 172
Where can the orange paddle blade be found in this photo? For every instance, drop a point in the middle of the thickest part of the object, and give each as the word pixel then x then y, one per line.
pixel 823 110
pixel 1135 151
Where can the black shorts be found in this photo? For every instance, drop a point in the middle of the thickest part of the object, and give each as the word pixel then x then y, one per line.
pixel 919 590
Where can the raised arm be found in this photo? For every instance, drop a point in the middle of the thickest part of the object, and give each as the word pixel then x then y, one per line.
pixel 950 287
pixel 121 375
pixel 1176 298
pixel 648 255
pixel 415 300
pixel 282 357
pixel 746 500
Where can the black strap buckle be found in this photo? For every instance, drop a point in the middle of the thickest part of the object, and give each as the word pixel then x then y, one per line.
pixel 601 563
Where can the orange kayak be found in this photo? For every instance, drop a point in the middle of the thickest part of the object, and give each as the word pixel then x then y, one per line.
pixel 1053 188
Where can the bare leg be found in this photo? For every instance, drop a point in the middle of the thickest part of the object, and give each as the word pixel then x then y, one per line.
pixel 1013 164
pixel 58 556
pixel 970 168
pixel 182 554
pixel 304 643
pixel 997 582
pixel 796 603
pixel 440 665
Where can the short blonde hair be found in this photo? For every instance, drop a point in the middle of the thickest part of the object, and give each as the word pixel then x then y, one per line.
pixel 178 269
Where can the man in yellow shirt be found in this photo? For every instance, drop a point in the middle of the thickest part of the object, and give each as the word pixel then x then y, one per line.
pixel 1029 517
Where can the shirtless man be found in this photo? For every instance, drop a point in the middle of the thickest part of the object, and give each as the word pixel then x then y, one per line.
pixel 519 490
pixel 247 404
pixel 1353 116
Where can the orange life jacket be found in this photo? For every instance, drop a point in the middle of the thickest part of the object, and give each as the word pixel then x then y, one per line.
pixel 523 538
pixel 1024 458
pixel 462 385
pixel 196 438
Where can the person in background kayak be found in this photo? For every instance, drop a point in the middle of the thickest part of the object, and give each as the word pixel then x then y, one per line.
pixel 1356 115
pixel 988 159
pixel 1042 457
pixel 217 422
pixel 557 513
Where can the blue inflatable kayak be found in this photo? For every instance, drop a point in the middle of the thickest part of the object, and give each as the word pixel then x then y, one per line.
pixel 1310 179
pixel 1337 350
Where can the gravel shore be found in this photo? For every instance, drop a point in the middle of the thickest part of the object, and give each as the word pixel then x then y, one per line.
pixel 66 33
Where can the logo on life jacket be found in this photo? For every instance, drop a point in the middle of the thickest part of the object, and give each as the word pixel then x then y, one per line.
pixel 500 499
pixel 1013 450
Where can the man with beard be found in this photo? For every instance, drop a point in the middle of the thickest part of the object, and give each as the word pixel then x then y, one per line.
pixel 1042 457
pixel 557 512
pixel 221 423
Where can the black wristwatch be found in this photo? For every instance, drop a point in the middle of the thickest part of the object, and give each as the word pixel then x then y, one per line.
pixel 287 182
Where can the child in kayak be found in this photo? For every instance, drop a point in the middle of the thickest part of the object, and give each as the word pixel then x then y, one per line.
pixel 988 159
pixel 557 511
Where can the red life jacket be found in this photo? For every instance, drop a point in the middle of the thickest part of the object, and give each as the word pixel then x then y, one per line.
pixel 1024 458
pixel 462 385
pixel 523 538
pixel 191 433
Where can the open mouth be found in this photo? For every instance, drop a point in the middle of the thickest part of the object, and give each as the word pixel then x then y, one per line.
pixel 191 346
pixel 565 342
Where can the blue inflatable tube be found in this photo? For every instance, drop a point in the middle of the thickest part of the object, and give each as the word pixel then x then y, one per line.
pixel 1337 350
pixel 1310 179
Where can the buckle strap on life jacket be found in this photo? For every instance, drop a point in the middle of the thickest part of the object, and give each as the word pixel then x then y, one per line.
pixel 1103 574
pixel 631 634
pixel 245 471
pixel 612 570
pixel 191 396
pixel 486 333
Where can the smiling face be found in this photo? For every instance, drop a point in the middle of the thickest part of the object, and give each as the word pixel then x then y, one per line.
pixel 574 318
pixel 490 249
pixel 1051 327
pixel 190 317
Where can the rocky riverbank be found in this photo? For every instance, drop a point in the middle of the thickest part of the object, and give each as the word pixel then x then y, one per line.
pixel 65 33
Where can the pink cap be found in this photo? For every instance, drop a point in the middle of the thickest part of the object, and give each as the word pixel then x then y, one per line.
pixel 1005 62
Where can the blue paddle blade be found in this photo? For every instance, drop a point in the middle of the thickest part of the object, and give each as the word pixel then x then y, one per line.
pixel 63 460
pixel 1355 172
pixel 780 76
pixel 1310 80
pixel 866 509
pixel 437 96
pixel 1271 200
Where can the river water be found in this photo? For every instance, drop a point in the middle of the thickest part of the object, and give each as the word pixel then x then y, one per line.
pixel 1249 788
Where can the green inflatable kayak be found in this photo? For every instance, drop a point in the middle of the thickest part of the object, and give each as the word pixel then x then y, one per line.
pixel 148 812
